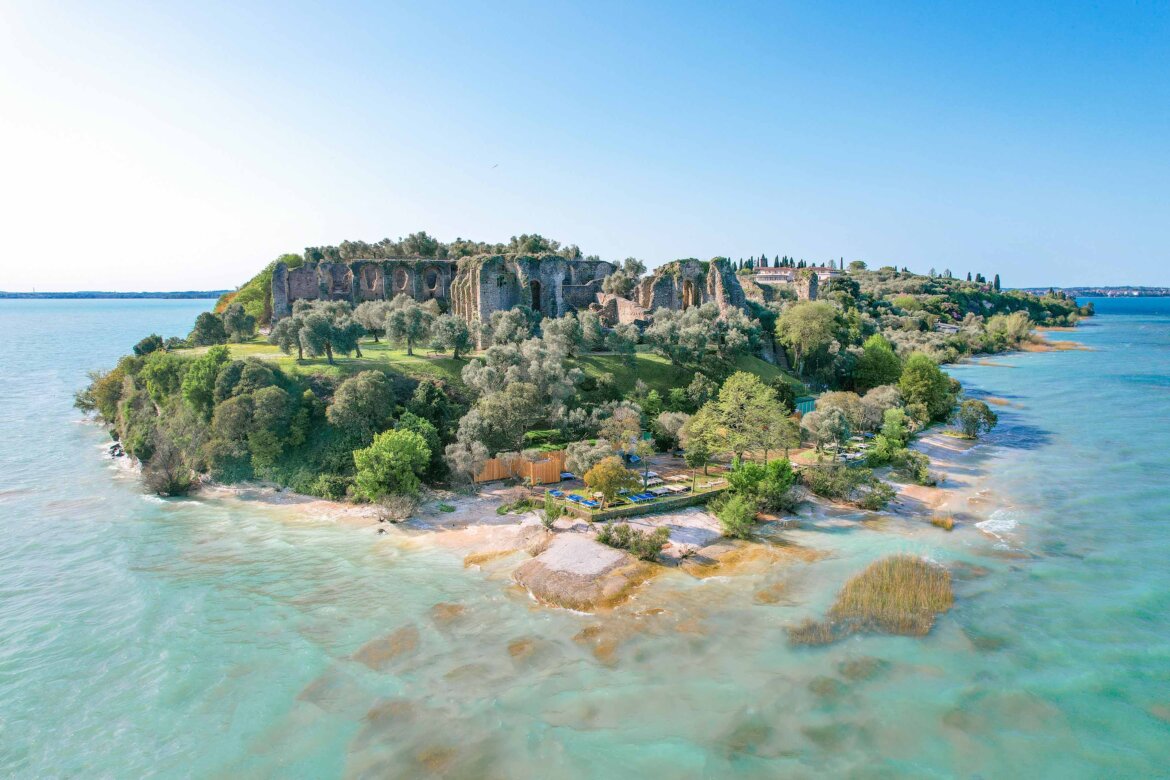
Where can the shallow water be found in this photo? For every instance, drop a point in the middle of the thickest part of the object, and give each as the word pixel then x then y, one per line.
pixel 212 638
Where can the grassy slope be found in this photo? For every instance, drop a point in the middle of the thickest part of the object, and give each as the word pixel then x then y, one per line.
pixel 374 356
pixel 655 370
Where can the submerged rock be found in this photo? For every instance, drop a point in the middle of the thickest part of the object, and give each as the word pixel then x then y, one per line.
pixel 377 653
pixel 576 572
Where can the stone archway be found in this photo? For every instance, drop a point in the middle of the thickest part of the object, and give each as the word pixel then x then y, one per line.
pixel 534 288
pixel 400 280
pixel 688 294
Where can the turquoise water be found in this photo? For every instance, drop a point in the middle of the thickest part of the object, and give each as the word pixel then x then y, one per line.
pixel 214 637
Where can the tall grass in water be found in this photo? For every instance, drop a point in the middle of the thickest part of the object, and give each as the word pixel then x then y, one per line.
pixel 896 595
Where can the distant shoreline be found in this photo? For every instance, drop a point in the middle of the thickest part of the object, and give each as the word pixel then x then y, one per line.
pixel 87 294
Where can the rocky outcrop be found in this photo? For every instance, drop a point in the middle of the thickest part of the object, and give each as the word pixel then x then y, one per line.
pixel 575 572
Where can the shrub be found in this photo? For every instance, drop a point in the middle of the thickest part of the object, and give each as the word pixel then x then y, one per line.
pixel 912 465
pixel 945 522
pixel 393 463
pixel 515 507
pixel 876 497
pixel 166 473
pixel 737 516
pixel 856 485
pixel 552 511
pixel 331 486
pixel 644 545
pixel 442 507
pixel 396 508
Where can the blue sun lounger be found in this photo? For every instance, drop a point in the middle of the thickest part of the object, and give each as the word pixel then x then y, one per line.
pixel 590 503
pixel 557 493
pixel 576 499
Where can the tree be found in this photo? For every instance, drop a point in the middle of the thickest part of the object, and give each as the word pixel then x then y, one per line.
pixel 926 388
pixel 622 428
pixel 450 332
pixel 827 427
pixel 744 412
pixel 848 403
pixel 696 456
pixel 878 365
pixel 286 334
pixel 592 335
pixel 701 389
pixel 409 421
pixel 501 419
pixel 622 340
pixel 466 458
pixel 622 281
pixel 785 393
pixel 744 479
pixel 807 327
pixel 565 332
pixel 363 405
pixel 511 326
pixel 580 456
pixel 392 464
pixel 995 284
pixel 775 489
pixel 208 330
pixel 431 402
pixel 668 428
pixel 328 327
pixel 408 321
pixel 609 477
pixel 238 323
pixel 876 403
pixel 975 417
pixel 151 343
pixel 371 315
pixel 271 415
pixel 199 382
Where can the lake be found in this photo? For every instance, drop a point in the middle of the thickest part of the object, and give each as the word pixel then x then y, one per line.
pixel 206 637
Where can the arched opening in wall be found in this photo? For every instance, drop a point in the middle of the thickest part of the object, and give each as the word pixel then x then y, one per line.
pixel 688 294
pixel 431 283
pixel 400 280
pixel 534 286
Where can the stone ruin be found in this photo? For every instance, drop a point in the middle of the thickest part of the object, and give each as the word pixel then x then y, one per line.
pixel 471 287
pixel 677 285
pixel 474 287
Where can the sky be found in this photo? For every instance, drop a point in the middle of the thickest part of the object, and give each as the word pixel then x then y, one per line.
pixel 168 146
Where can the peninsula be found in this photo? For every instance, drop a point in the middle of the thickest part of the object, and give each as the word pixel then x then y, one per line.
pixel 583 394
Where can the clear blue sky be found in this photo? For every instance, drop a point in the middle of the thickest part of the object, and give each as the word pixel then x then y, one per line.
pixel 167 146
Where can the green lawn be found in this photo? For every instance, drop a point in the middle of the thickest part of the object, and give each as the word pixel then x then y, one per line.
pixel 374 356
pixel 653 369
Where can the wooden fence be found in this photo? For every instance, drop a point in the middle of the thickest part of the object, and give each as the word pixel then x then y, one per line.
pixel 545 471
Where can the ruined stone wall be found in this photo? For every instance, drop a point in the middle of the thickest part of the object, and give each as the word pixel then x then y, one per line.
pixel 548 284
pixel 806 284
pixel 615 310
pixel 685 283
pixel 360 280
